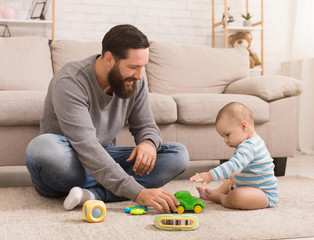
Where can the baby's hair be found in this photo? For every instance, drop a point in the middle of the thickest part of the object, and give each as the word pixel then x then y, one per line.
pixel 236 110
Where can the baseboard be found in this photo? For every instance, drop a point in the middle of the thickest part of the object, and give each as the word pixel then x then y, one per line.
pixel 14 176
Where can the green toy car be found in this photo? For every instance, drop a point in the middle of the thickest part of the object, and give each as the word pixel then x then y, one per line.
pixel 188 202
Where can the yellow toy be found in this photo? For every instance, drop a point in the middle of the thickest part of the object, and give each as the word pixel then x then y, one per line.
pixel 135 209
pixel 94 211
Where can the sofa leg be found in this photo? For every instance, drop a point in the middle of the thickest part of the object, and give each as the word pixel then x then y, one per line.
pixel 280 166
pixel 222 161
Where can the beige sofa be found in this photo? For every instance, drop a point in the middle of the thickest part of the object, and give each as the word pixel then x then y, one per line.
pixel 187 86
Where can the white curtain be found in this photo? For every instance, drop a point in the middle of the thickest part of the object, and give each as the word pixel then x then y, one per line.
pixel 302 57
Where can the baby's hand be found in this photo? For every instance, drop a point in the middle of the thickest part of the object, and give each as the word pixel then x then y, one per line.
pixel 196 178
pixel 203 177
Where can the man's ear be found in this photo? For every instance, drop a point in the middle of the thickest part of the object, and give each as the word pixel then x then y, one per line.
pixel 108 58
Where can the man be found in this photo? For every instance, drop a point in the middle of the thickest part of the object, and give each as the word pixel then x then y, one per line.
pixel 87 104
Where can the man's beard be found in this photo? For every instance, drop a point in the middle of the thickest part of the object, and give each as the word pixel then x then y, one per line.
pixel 116 82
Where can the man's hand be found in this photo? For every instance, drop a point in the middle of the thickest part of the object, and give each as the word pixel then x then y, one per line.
pixel 145 160
pixel 203 177
pixel 158 198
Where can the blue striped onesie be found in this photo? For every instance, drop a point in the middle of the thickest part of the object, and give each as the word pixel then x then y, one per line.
pixel 251 165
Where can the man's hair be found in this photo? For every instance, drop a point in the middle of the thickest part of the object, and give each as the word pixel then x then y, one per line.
pixel 236 110
pixel 121 38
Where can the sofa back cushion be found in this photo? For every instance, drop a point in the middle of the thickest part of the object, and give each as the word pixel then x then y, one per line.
pixel 20 107
pixel 25 63
pixel 64 51
pixel 174 69
pixel 202 108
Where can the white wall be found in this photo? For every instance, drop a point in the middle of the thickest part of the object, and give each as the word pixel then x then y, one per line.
pixel 176 21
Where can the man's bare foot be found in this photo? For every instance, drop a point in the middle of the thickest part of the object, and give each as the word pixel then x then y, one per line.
pixel 201 191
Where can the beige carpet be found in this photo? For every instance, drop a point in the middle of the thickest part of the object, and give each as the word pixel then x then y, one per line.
pixel 26 215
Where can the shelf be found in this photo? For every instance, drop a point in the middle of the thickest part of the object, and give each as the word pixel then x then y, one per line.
pixel 243 29
pixel 225 28
pixel 25 21
pixel 234 29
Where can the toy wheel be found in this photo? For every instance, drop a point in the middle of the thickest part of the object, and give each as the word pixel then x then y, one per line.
pixel 198 209
pixel 180 209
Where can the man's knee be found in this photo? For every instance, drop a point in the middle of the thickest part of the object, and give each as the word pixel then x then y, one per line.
pixel 178 154
pixel 48 150
pixel 179 150
pixel 40 149
pixel 51 156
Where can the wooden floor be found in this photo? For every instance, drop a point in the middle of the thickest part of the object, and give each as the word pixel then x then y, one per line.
pixel 301 164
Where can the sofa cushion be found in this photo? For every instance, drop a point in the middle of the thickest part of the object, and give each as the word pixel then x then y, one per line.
pixel 25 63
pixel 164 108
pixel 21 107
pixel 174 69
pixel 64 51
pixel 268 88
pixel 203 108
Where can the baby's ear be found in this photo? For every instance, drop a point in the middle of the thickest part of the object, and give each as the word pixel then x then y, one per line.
pixel 244 124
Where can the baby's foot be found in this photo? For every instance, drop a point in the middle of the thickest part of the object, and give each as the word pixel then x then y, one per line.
pixel 213 195
pixel 201 191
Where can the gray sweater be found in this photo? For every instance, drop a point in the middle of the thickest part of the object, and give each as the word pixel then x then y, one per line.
pixel 78 109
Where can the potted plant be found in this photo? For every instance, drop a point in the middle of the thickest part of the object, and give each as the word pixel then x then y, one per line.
pixel 247 22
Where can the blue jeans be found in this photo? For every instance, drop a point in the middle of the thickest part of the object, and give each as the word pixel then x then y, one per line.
pixel 55 168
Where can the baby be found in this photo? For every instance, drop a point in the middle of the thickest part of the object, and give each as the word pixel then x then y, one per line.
pixel 251 180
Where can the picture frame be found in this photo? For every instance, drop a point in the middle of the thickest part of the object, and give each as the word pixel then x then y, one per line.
pixel 38 9
pixel 45 9
pixel 4 29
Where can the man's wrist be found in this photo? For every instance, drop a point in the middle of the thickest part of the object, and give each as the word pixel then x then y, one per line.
pixel 138 197
pixel 150 142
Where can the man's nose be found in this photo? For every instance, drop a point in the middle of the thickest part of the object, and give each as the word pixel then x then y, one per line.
pixel 138 73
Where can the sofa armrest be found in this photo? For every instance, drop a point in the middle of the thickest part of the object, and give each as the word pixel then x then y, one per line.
pixel 266 87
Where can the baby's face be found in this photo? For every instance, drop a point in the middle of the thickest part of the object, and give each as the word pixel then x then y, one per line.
pixel 232 130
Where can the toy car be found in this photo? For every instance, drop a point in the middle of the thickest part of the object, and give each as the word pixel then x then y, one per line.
pixel 188 202
pixel 135 209
pixel 176 222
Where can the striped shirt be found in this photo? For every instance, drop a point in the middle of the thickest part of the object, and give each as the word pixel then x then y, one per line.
pixel 251 165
